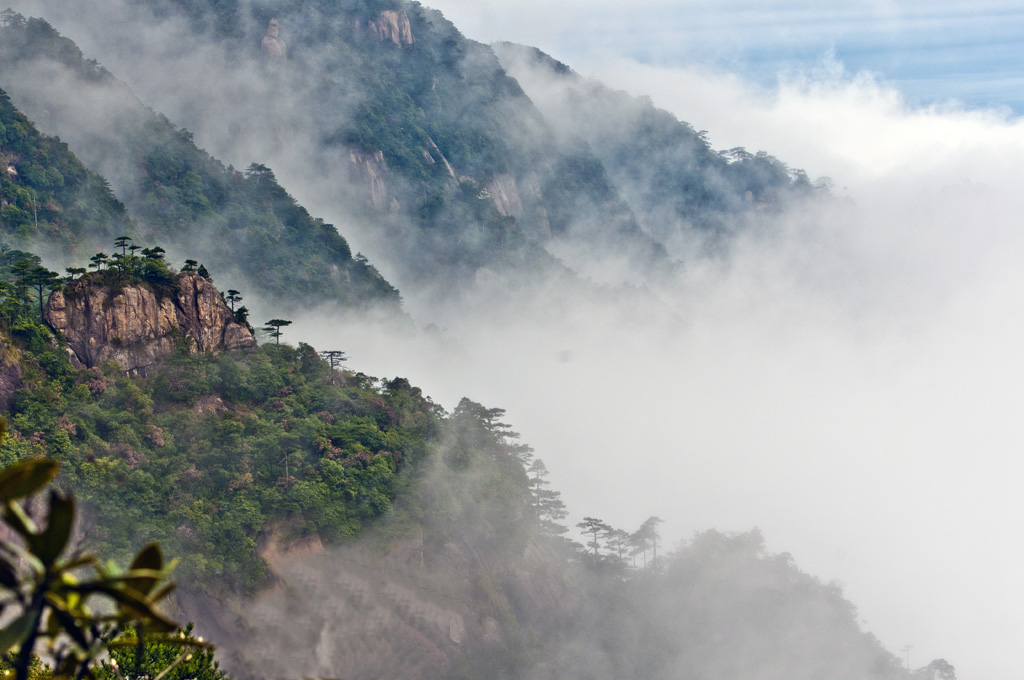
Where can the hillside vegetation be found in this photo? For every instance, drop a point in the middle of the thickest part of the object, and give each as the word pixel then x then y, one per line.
pixel 47 197
pixel 425 136
pixel 229 458
pixel 175 193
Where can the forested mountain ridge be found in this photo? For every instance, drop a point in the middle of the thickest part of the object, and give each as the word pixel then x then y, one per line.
pixel 210 447
pixel 428 142
pixel 47 197
pixel 175 193
pixel 664 168
pixel 261 467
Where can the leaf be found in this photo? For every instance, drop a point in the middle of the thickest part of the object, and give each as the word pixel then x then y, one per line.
pixel 51 543
pixel 13 633
pixel 163 592
pixel 16 551
pixel 67 622
pixel 118 581
pixel 26 477
pixel 132 603
pixel 8 575
pixel 150 557
pixel 76 561
pixel 19 520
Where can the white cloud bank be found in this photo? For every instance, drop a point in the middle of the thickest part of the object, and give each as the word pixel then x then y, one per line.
pixel 852 385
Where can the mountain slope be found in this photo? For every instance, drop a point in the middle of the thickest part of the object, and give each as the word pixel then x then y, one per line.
pixel 459 168
pixel 258 469
pixel 48 199
pixel 425 136
pixel 178 195
pixel 665 170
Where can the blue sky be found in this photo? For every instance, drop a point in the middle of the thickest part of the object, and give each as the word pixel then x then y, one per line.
pixel 933 52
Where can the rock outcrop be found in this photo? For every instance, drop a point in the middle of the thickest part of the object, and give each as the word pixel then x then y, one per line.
pixel 137 327
pixel 393 25
pixel 272 45
pixel 505 194
pixel 369 169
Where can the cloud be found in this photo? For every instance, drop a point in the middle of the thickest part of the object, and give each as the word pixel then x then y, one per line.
pixel 848 381
pixel 933 51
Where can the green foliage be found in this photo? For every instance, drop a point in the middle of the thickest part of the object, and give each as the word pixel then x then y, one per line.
pixel 45 599
pixel 208 452
pixel 180 195
pixel 181 657
pixel 46 195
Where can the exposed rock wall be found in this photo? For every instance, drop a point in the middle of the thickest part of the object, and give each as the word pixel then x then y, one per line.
pixel 369 169
pixel 393 25
pixel 135 327
pixel 447 165
pixel 272 45
pixel 505 195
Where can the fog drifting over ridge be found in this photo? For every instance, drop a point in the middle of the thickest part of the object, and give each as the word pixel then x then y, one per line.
pixel 849 383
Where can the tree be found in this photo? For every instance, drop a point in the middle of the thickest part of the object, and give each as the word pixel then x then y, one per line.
pixel 74 272
pixel 334 357
pixel 189 266
pixel 939 669
pixel 242 317
pixel 593 526
pixel 547 504
pixel 160 659
pixel 40 278
pixel 99 260
pixel 232 297
pixel 273 328
pixel 122 243
pixel 647 537
pixel 154 253
pixel 617 541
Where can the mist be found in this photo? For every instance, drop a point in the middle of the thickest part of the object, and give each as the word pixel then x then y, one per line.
pixel 848 379
pixel 849 382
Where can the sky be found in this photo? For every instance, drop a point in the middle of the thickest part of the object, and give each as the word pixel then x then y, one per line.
pixel 933 52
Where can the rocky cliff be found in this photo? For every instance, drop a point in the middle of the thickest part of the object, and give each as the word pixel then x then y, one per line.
pixel 272 45
pixel 393 25
pixel 136 326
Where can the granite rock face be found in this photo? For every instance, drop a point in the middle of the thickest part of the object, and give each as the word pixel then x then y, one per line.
pixel 137 327
pixel 393 25
pixel 272 45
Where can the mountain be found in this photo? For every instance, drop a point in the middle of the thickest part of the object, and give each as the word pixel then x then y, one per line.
pixel 679 187
pixel 176 194
pixel 447 169
pixel 327 522
pixel 47 197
